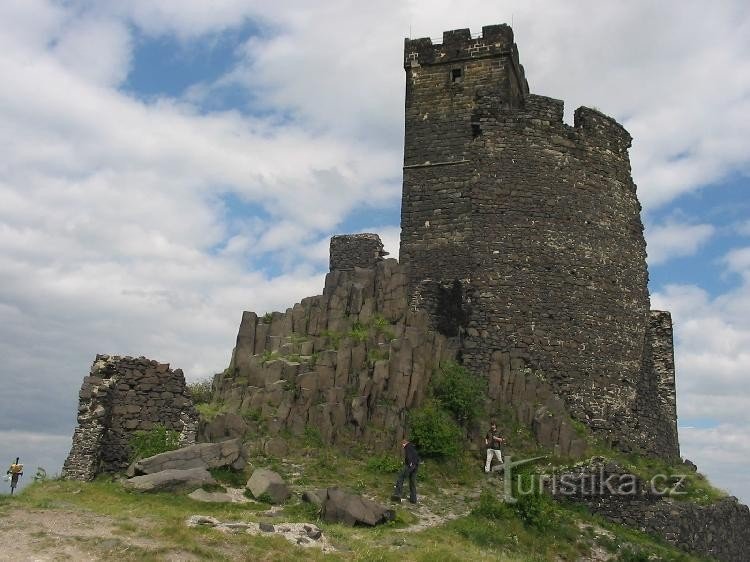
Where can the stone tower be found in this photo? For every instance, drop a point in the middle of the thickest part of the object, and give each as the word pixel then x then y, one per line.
pixel 522 237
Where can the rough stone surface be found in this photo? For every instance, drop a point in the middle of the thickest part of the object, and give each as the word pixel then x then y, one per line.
pixel 315 497
pixel 222 427
pixel 720 530
pixel 121 396
pixel 264 482
pixel 202 455
pixel 523 235
pixel 355 250
pixel 305 535
pixel 170 480
pixel 349 362
pixel 352 509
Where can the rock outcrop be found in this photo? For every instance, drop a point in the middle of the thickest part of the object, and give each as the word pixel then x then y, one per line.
pixel 123 395
pixel 349 362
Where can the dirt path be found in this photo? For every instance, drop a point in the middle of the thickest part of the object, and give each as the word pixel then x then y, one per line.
pixel 41 535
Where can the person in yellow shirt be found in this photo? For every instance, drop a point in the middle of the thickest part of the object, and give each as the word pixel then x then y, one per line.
pixel 15 471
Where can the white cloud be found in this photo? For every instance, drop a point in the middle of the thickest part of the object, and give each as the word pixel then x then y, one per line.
pixel 672 239
pixel 114 231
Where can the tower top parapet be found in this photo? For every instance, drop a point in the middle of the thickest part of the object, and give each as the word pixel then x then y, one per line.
pixel 458 45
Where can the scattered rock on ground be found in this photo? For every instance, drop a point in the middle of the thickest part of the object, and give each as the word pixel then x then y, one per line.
pixel 315 497
pixel 170 480
pixel 202 455
pixel 275 447
pixel 352 509
pixel 268 483
pixel 232 495
pixel 305 535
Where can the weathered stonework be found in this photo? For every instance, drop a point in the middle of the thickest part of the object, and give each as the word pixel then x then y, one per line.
pixel 525 234
pixel 355 250
pixel 123 395
pixel 720 530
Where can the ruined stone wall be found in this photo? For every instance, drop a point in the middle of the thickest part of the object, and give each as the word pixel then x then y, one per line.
pixel 656 398
pixel 538 221
pixel 355 250
pixel 720 530
pixel 120 396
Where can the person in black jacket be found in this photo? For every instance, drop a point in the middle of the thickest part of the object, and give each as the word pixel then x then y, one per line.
pixel 411 464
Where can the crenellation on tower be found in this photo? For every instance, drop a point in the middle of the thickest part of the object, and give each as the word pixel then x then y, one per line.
pixel 535 224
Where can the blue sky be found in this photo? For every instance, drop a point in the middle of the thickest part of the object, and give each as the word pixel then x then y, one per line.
pixel 170 164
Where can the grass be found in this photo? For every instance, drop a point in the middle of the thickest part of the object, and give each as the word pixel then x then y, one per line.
pixel 491 531
pixel 208 411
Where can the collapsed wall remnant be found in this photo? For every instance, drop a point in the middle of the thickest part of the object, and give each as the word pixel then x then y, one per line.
pixel 121 396
pixel 537 224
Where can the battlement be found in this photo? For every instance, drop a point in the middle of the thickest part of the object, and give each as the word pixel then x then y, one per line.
pixel 458 45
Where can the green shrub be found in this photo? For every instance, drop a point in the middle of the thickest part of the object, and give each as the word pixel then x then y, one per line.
pixel 200 391
pixel 267 318
pixel 434 431
pixel 158 439
pixel 333 339
pixel 208 411
pixel 358 332
pixel 384 463
pixel 225 475
pixel 534 509
pixel 459 391
pixel 629 554
pixel 311 437
pixel 490 507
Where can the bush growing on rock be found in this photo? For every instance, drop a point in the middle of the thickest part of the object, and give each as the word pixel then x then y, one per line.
pixel 459 391
pixel 434 431
pixel 158 439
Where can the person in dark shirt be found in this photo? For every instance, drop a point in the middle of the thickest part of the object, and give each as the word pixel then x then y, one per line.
pixel 411 464
pixel 493 441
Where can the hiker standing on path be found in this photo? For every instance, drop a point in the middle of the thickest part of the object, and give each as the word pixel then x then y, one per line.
pixel 15 471
pixel 411 464
pixel 493 441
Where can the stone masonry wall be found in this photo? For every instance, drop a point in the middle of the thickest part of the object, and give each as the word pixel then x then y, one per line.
pixel 720 530
pixel 120 396
pixel 355 250
pixel 537 221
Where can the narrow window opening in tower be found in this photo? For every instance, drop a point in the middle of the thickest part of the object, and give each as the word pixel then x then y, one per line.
pixel 456 74
pixel 476 130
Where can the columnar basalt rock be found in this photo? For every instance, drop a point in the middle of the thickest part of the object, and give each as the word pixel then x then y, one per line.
pixel 348 363
pixel 121 396
pixel 534 227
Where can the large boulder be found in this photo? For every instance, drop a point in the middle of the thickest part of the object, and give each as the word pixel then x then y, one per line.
pixel 316 497
pixel 351 509
pixel 170 480
pixel 267 483
pixel 203 455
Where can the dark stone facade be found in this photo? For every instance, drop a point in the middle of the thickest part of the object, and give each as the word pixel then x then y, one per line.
pixel 355 250
pixel 121 396
pixel 539 224
pixel 720 530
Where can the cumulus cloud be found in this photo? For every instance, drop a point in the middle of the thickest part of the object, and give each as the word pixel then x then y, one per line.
pixel 119 228
pixel 673 239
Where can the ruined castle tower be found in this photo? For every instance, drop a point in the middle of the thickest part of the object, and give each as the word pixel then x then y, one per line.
pixel 522 236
